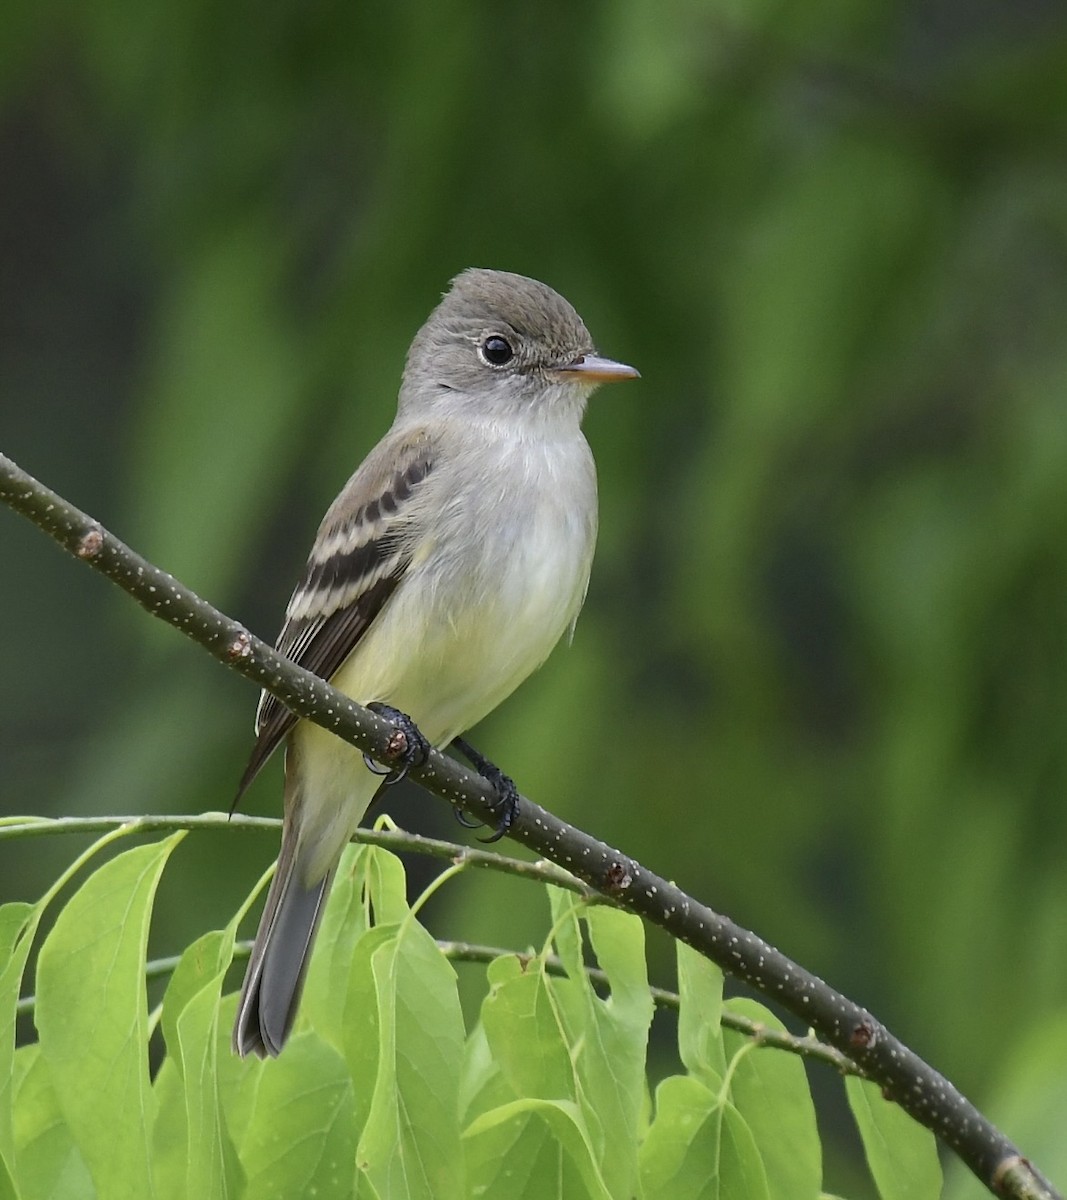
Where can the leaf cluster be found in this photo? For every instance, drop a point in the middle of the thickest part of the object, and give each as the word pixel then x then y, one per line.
pixel 385 1089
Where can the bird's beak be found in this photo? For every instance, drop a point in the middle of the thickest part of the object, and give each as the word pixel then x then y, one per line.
pixel 594 369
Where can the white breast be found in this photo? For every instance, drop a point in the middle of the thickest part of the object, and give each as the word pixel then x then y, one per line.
pixel 500 578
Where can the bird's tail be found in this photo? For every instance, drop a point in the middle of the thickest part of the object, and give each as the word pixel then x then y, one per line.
pixel 282 949
pixel 280 955
pixel 325 798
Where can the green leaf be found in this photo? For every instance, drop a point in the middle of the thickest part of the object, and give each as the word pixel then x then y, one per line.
pixel 901 1154
pixel 362 1020
pixel 699 1148
pixel 300 1140
pixel 700 1044
pixel 482 1084
pixel 607 1041
pixel 408 1147
pixel 7 1184
pixel 92 1016
pixel 517 1054
pixel 170 1133
pixel 16 937
pixel 203 962
pixel 190 1027
pixel 519 1157
pixel 555 1040
pixel 535 1061
pixel 566 930
pixel 50 1166
pixel 557 1159
pixel 238 1078
pixel 344 922
pixel 387 886
pixel 770 1090
pixel 618 941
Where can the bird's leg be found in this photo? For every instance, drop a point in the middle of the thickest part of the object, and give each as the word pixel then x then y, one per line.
pixel 506 808
pixel 407 746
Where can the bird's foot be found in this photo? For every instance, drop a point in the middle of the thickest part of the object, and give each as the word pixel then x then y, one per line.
pixel 506 808
pixel 407 747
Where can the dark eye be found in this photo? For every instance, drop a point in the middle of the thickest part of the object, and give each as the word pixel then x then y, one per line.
pixel 497 351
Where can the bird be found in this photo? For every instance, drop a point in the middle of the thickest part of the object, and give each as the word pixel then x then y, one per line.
pixel 446 570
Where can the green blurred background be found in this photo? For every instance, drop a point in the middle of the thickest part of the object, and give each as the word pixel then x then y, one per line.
pixel 821 678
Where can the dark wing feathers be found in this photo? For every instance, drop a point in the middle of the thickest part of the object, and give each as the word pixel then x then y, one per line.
pixel 355 566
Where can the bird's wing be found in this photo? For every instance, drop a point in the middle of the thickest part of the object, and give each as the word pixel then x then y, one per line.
pixel 363 548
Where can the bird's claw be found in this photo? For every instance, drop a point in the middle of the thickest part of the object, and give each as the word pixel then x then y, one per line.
pixel 506 808
pixel 407 745
pixel 464 820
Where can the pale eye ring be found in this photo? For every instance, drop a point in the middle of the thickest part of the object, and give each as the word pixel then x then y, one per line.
pixel 496 351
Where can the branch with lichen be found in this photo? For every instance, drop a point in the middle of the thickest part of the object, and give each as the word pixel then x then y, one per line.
pixel 904 1077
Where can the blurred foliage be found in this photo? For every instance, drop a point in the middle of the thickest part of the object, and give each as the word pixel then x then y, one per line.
pixel 821 678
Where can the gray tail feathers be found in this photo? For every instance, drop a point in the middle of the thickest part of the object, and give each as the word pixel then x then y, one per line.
pixel 280 955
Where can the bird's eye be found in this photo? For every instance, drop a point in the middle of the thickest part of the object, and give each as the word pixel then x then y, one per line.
pixel 496 350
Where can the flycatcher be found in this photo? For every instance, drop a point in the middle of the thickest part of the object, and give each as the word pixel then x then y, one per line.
pixel 442 575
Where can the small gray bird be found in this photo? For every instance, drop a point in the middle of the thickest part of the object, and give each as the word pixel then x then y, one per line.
pixel 442 575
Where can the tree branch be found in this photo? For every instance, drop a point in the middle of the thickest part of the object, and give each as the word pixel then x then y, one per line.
pixel 905 1078
pixel 397 840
